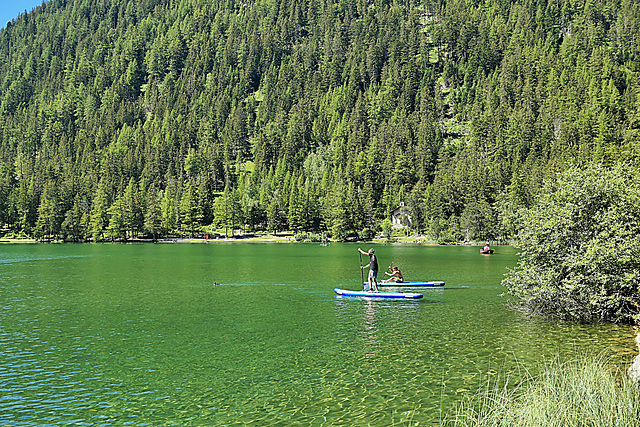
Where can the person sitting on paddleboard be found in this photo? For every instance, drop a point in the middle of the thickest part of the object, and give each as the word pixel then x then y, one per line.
pixel 373 269
pixel 395 276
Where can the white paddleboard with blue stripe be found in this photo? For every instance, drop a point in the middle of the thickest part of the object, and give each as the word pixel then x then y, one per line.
pixel 367 294
pixel 410 284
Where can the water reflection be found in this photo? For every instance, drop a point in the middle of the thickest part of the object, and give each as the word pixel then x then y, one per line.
pixel 370 324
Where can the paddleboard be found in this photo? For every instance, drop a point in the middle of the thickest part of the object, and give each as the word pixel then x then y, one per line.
pixel 346 293
pixel 409 284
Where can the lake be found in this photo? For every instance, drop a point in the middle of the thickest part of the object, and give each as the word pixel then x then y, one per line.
pixel 140 334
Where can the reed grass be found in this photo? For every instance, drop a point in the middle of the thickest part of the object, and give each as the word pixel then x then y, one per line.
pixel 584 391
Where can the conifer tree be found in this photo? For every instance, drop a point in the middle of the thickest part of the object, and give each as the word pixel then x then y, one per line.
pixel 99 218
pixel 152 215
pixel 116 229
pixel 49 215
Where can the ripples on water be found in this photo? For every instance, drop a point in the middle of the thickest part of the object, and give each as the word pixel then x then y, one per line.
pixel 138 334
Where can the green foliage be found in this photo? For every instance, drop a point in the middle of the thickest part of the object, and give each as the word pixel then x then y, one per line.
pixel 307 237
pixel 580 248
pixel 227 211
pixel 152 218
pixel 386 227
pixel 317 116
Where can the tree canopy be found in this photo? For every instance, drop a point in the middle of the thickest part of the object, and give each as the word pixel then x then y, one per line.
pixel 124 118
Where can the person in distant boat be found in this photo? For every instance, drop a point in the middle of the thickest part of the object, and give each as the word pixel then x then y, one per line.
pixel 373 269
pixel 486 246
pixel 395 275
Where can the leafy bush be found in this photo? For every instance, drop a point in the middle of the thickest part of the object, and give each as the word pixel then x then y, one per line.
pixel 304 236
pixel 387 227
pixel 366 234
pixel 580 246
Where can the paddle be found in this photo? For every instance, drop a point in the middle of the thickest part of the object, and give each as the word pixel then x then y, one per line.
pixel 389 279
pixel 361 270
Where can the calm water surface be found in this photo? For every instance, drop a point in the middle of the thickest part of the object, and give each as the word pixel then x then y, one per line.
pixel 140 335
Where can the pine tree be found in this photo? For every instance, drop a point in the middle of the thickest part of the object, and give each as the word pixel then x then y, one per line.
pixel 296 215
pixel 152 213
pixel 49 215
pixel 116 229
pixel 275 217
pixel 99 217
pixel 132 211
pixel 168 212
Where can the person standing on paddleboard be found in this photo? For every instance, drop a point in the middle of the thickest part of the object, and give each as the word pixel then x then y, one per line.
pixel 373 269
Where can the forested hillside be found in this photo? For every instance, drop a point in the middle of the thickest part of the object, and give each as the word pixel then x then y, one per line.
pixel 125 118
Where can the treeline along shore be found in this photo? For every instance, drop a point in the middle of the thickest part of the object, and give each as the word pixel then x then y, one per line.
pixel 129 119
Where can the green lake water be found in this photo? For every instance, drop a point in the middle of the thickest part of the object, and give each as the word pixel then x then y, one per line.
pixel 138 334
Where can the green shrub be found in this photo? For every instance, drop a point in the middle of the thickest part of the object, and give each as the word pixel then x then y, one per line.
pixel 387 226
pixel 304 236
pixel 580 246
pixel 366 234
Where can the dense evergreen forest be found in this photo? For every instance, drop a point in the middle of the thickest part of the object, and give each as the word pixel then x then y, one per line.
pixel 150 118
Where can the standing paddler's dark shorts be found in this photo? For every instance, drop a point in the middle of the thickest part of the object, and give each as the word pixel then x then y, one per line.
pixel 373 274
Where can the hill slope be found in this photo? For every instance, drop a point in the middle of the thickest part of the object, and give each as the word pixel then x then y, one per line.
pixel 120 118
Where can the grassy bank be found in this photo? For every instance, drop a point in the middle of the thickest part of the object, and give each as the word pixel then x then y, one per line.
pixel 585 391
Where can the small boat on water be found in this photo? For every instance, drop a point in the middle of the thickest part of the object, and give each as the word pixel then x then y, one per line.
pixel 369 294
pixel 486 251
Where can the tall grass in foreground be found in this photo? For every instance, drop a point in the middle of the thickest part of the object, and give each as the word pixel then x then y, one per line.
pixel 585 391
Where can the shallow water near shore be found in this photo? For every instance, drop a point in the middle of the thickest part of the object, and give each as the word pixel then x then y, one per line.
pixel 140 334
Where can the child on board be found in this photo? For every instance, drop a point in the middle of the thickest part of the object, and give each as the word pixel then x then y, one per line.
pixel 395 275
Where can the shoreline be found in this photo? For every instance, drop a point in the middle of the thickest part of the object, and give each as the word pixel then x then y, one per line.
pixel 269 238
